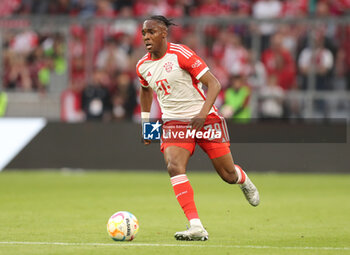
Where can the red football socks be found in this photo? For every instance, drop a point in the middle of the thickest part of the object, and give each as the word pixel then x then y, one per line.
pixel 184 194
pixel 241 175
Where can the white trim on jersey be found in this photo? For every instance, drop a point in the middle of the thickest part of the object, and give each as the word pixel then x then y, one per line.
pixel 181 48
pixel 224 127
pixel 202 73
pixel 187 54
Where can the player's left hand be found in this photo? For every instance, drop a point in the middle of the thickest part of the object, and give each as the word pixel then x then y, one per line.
pixel 146 142
pixel 198 121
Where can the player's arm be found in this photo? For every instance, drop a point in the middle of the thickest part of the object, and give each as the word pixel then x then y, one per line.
pixel 214 87
pixel 146 98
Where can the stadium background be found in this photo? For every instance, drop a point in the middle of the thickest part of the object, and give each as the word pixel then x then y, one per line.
pixel 68 103
pixel 74 62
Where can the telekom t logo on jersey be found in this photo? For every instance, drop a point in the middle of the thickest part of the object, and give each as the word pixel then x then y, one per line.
pixel 163 85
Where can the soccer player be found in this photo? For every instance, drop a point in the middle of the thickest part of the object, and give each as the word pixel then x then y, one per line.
pixel 176 74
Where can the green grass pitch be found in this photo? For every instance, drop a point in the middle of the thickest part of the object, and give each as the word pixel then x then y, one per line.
pixel 55 212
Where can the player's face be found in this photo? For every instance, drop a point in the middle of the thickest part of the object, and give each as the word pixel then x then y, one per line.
pixel 153 35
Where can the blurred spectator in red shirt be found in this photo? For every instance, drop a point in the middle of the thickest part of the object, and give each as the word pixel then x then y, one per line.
pixel 71 110
pixel 104 8
pixel 278 61
pixel 235 58
pixel 295 8
pixel 340 7
pixel 217 54
pixel 219 45
pixel 179 8
pixel 343 55
pixel 77 49
pixel 8 7
pixel 210 8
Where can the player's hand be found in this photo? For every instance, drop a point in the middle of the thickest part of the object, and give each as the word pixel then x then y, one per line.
pixel 198 121
pixel 146 142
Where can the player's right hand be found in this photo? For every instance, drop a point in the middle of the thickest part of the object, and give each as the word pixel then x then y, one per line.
pixel 145 141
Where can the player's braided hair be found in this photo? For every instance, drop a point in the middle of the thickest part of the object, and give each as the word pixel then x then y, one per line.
pixel 164 20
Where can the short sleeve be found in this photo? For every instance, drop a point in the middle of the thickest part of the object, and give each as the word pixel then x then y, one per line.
pixel 143 82
pixel 192 63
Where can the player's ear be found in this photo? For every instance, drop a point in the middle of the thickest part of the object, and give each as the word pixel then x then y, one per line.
pixel 164 32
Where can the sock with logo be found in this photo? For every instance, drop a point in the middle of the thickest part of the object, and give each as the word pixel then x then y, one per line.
pixel 184 195
pixel 242 176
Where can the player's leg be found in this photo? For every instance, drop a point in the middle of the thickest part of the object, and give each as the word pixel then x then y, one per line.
pixel 224 166
pixel 176 159
pixel 219 152
pixel 233 174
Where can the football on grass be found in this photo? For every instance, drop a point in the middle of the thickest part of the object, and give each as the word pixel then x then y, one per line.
pixel 122 226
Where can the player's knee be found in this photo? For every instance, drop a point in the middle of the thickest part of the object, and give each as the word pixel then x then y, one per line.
pixel 175 169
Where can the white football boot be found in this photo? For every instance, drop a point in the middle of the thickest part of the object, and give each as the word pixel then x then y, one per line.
pixel 195 233
pixel 250 192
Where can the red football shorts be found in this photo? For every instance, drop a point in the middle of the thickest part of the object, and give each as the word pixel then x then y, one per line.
pixel 213 138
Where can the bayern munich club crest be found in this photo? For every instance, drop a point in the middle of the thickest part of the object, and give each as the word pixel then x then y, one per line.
pixel 168 66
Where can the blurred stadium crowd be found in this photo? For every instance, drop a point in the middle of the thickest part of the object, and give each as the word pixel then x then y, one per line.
pixel 282 63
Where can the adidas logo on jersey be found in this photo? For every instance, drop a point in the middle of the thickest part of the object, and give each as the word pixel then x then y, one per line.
pixel 149 74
